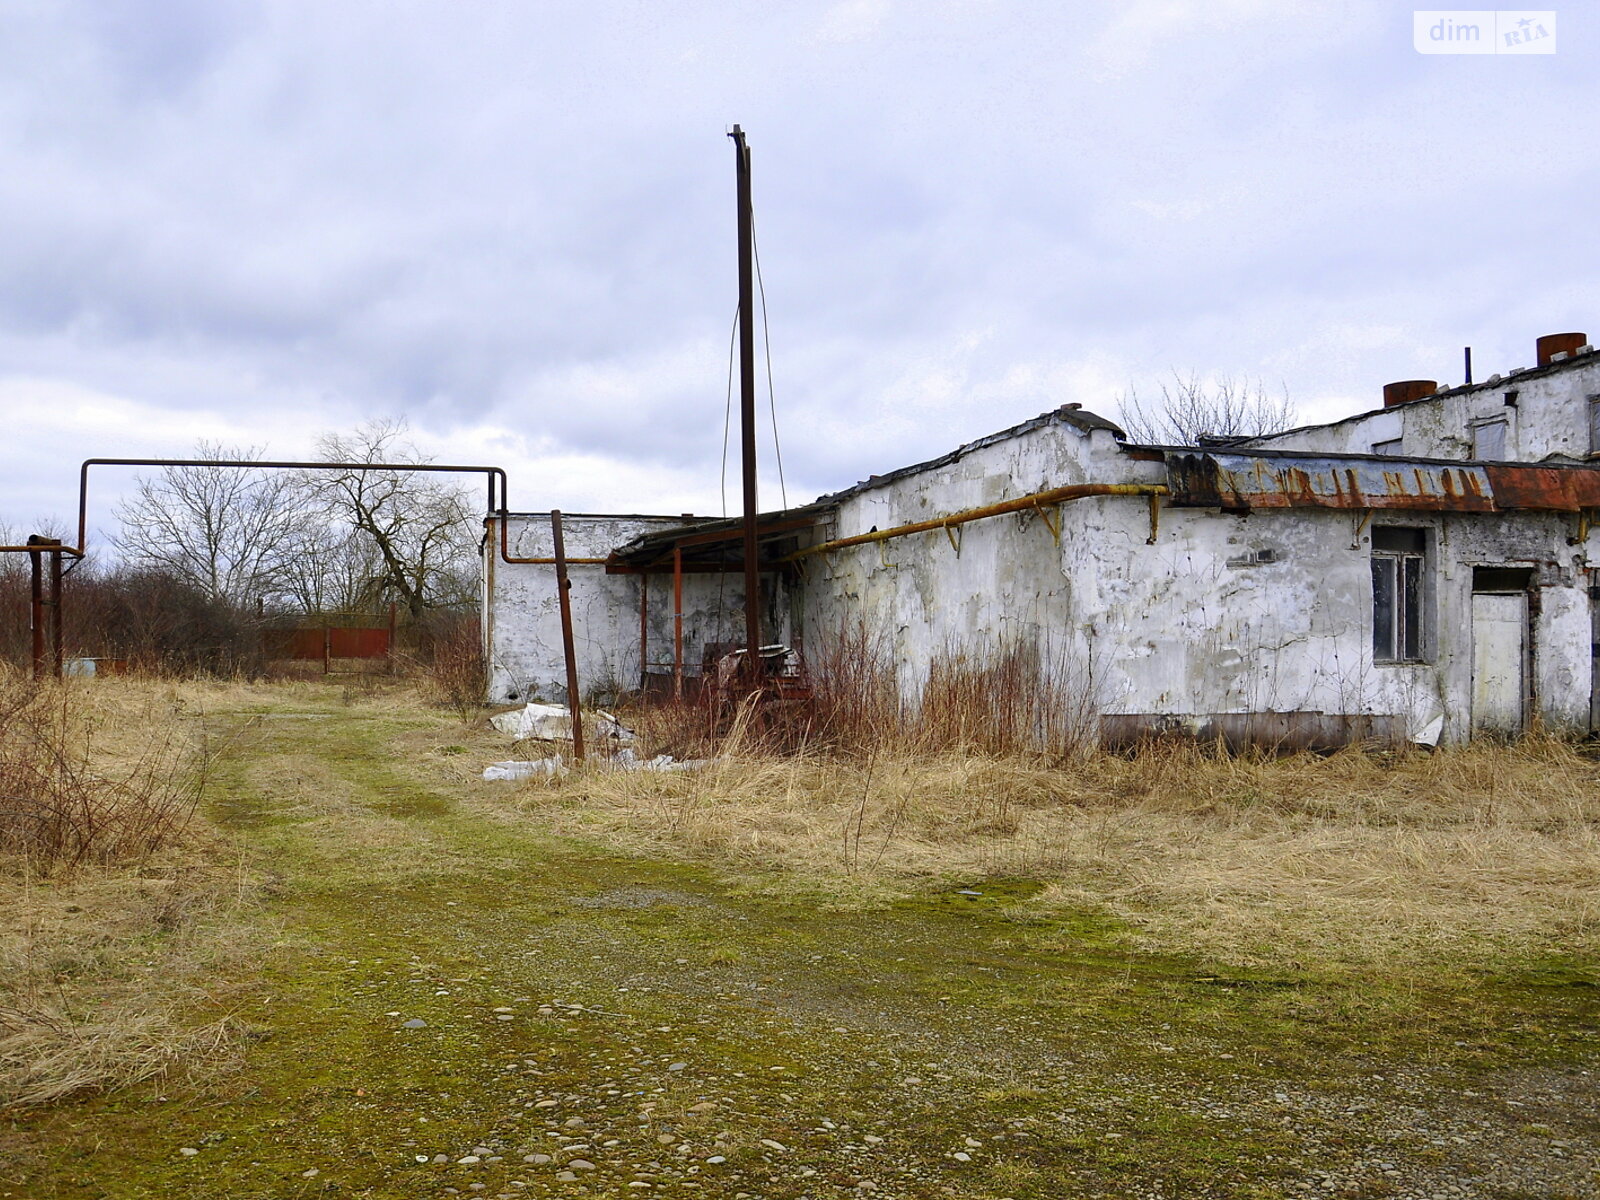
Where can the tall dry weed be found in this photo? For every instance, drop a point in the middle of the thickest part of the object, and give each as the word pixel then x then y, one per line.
pixel 1254 859
pixel 450 664
pixel 61 808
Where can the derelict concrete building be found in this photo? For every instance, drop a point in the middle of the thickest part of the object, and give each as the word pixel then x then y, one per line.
pixel 1423 571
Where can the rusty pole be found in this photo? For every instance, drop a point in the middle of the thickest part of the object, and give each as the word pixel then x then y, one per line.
pixel 36 558
pixel 644 632
pixel 57 634
pixel 677 623
pixel 747 413
pixel 563 587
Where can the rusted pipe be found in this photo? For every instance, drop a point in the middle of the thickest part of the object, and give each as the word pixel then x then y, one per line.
pixel 644 630
pixel 563 586
pixel 36 558
pixel 1061 495
pixel 57 633
pixel 492 475
pixel 677 624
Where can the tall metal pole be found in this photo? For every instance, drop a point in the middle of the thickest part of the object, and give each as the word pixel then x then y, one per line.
pixel 563 586
pixel 37 558
pixel 747 414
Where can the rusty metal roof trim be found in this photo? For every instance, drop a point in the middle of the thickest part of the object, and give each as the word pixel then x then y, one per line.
pixel 1240 482
pixel 1546 488
pixel 715 536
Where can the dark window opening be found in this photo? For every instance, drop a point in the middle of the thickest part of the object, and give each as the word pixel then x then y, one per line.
pixel 1501 579
pixel 1398 608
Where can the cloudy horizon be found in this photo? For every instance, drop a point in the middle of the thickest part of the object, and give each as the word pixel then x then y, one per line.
pixel 513 225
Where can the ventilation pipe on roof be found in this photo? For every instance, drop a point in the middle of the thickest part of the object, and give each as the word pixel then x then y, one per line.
pixel 1554 346
pixel 1406 390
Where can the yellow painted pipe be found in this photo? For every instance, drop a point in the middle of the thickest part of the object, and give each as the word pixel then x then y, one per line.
pixel 1060 495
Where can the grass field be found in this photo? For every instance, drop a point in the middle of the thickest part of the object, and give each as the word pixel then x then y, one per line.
pixel 805 976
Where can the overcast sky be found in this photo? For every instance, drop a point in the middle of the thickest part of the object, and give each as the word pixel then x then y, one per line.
pixel 512 223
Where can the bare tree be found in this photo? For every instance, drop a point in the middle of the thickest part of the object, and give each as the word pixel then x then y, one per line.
pixel 331 567
pixel 224 530
pixel 1191 409
pixel 418 526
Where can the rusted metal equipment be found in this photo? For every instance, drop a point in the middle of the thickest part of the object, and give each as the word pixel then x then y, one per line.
pixel 563 589
pixel 1405 391
pixel 1552 344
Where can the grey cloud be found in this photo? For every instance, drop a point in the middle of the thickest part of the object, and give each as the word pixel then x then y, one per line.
pixel 522 215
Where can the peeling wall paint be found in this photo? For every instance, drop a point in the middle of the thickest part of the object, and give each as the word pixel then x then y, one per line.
pixel 1546 411
pixel 523 633
pixel 1226 623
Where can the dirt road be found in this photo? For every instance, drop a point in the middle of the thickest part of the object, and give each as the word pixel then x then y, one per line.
pixel 459 1004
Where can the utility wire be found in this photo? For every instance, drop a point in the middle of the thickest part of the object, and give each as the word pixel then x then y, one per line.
pixel 727 411
pixel 766 340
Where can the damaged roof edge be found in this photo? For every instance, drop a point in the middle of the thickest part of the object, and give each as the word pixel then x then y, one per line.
pixel 1241 480
pixel 779 522
pixel 1495 383
pixel 1075 415
pixel 681 518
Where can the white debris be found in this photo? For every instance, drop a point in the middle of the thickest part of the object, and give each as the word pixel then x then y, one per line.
pixel 513 771
pixel 623 760
pixel 1429 733
pixel 626 760
pixel 553 722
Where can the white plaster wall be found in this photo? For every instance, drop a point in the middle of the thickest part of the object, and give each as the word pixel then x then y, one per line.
pixel 1548 419
pixel 523 633
pixel 1000 585
pixel 1188 626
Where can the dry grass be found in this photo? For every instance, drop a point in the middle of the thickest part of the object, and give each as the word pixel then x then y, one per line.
pixel 63 804
pixel 1255 860
pixel 116 911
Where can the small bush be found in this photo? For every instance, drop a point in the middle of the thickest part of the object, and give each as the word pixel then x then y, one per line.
pixel 56 811
pixel 449 662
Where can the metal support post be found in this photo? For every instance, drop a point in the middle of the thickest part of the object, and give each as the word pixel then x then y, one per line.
pixel 677 623
pixel 563 587
pixel 747 413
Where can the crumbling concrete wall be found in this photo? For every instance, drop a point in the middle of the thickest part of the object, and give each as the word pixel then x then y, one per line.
pixel 1224 623
pixel 1545 410
pixel 1272 613
pixel 523 626
pixel 987 586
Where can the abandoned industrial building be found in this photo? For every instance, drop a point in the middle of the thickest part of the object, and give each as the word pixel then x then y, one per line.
pixel 1422 572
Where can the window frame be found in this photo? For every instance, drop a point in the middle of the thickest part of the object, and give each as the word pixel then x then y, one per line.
pixel 1400 634
pixel 1484 423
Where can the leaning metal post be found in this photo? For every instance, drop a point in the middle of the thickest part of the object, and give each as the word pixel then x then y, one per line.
pixel 563 588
